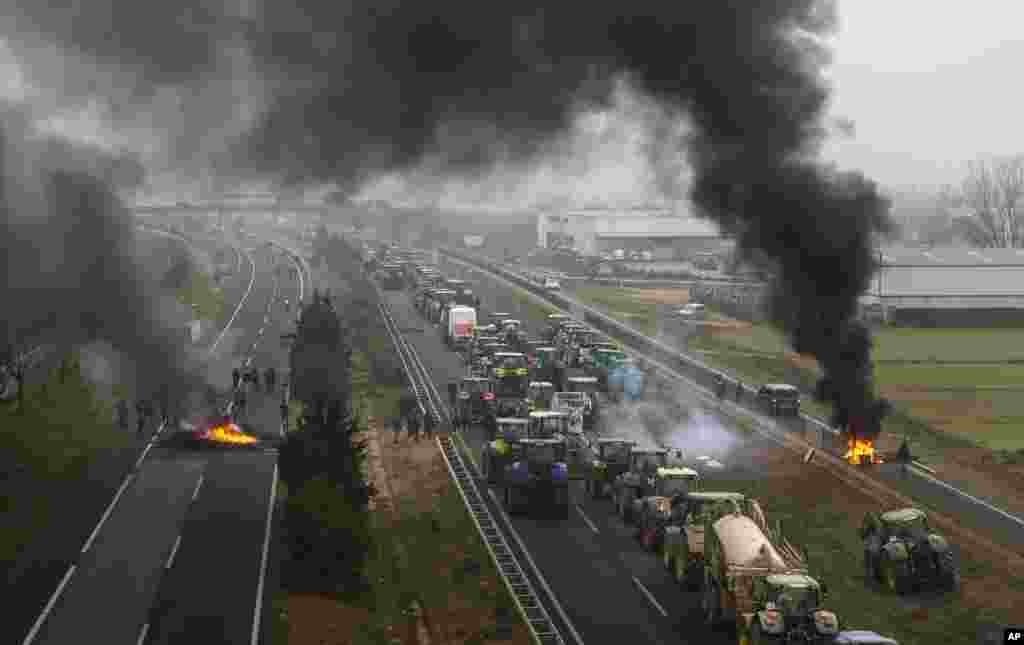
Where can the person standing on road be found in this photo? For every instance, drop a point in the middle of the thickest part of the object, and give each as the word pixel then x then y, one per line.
pixel 739 390
pixel 428 425
pixel 140 417
pixel 414 425
pixel 396 427
pixel 122 413
pixel 720 386
pixel 904 457
pixel 236 376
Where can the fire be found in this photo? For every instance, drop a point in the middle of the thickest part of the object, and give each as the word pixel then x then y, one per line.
pixel 228 433
pixel 861 450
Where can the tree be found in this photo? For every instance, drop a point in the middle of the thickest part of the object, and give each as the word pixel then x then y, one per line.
pixel 992 191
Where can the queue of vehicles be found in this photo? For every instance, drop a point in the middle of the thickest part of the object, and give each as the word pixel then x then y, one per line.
pixel 540 400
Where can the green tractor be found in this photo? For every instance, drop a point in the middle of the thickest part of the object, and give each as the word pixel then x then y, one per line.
pixel 602 362
pixel 903 553
pixel 503 448
pixel 638 480
pixel 539 478
pixel 611 459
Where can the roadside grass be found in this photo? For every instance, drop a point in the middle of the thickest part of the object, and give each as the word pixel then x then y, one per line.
pixel 835 556
pixel 206 299
pixel 44 453
pixel 621 305
pixel 930 411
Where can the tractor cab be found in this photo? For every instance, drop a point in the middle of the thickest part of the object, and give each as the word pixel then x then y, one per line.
pixel 511 383
pixel 544 359
pixel 540 455
pixel 510 325
pixel 588 386
pixel 610 459
pixel 796 599
pixel 553 323
pixel 673 481
pixel 497 317
pixel 903 522
pixel 540 395
pixel 510 429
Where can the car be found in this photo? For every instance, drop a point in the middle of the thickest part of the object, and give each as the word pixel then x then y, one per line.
pixel 552 285
pixel 693 310
pixel 779 399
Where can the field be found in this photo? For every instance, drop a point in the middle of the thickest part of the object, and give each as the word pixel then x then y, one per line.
pixel 957 392
pixel 801 498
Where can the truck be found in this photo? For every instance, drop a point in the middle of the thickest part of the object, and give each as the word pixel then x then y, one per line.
pixel 762 586
pixel 461 321
pixel 682 546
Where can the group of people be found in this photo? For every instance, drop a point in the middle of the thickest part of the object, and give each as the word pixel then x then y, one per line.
pixel 414 422
pixel 252 375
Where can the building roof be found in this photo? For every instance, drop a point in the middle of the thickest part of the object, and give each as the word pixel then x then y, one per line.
pixel 950 256
pixel 641 226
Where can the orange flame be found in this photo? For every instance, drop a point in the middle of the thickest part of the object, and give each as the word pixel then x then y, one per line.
pixel 228 433
pixel 860 450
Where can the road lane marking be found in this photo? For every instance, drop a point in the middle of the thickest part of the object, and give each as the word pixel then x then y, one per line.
pixel 260 332
pixel 529 558
pixel 142 635
pixel 106 513
pixel 49 606
pixel 174 552
pixel 650 597
pixel 199 484
pixel 587 519
pixel 252 280
pixel 263 561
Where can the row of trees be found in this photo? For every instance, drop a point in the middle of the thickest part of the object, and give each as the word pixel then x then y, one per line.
pixel 985 210
pixel 326 520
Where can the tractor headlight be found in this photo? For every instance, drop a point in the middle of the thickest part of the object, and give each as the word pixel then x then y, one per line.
pixel 771 621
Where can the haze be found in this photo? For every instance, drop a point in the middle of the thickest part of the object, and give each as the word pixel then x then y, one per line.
pixel 928 86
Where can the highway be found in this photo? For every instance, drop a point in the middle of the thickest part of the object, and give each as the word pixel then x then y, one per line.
pixel 611 590
pixel 977 515
pixel 181 552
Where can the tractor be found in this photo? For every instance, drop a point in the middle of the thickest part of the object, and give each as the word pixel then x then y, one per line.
pixel 638 480
pixel 589 387
pixel 602 363
pixel 652 512
pixel 610 459
pixel 511 384
pixel 573 404
pixel 476 399
pixel 902 552
pixel 543 367
pixel 540 395
pixel 502 448
pixel 539 477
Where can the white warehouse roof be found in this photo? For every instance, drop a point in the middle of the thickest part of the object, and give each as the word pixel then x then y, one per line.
pixel 897 256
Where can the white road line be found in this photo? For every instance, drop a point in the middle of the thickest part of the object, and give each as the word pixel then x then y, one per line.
pixel 142 635
pixel 106 513
pixel 199 484
pixel 49 606
pixel 540 576
pixel 174 552
pixel 260 332
pixel 252 280
pixel 263 561
pixel 587 519
pixel 650 598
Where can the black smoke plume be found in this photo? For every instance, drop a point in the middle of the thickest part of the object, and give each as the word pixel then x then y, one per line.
pixel 67 248
pixel 365 87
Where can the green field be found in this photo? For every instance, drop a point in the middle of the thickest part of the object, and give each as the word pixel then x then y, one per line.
pixel 963 382
pixel 835 556
pixel 207 299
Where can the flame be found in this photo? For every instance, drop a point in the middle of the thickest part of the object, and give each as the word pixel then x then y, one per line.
pixel 859 449
pixel 228 433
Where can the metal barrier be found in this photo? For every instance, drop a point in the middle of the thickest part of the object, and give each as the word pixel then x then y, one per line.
pixel 527 601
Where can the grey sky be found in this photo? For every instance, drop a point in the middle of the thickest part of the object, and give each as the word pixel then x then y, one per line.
pixel 929 85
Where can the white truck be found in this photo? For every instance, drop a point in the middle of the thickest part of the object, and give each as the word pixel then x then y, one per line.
pixel 461 322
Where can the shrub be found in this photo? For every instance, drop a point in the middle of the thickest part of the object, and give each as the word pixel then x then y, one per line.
pixel 328 539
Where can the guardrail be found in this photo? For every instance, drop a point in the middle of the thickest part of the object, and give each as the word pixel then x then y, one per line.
pixel 527 601
pixel 826 437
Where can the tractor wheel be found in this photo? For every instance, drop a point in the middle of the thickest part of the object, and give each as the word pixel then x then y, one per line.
pixel 895 574
pixel 694 576
pixel 679 569
pixel 666 558
pixel 948 571
pixel 870 573
pixel 755 636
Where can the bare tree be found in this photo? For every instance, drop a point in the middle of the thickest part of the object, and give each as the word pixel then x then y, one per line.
pixel 992 191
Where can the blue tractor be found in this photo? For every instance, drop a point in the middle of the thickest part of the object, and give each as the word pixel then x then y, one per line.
pixel 539 479
pixel 625 382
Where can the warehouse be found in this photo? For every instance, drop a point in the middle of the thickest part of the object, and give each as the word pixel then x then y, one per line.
pixel 949 286
pixel 669 233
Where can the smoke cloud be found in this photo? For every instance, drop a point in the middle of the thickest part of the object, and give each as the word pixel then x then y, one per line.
pixel 364 88
pixel 67 247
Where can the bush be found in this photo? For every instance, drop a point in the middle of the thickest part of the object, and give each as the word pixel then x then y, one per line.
pixel 327 537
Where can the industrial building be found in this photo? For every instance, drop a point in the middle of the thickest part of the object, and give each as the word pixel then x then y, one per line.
pixel 668 233
pixel 948 286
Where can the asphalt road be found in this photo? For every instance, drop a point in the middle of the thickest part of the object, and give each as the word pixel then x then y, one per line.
pixel 591 559
pixel 180 555
pixel 982 516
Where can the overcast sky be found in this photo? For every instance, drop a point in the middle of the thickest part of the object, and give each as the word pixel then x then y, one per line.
pixel 929 84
